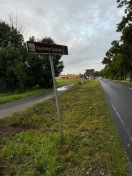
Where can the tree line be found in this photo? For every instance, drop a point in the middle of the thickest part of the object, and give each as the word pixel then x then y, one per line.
pixel 20 70
pixel 118 59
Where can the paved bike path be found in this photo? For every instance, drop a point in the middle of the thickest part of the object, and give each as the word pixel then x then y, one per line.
pixel 11 107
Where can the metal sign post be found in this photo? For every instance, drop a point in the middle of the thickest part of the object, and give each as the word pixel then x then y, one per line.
pixel 41 48
pixel 56 95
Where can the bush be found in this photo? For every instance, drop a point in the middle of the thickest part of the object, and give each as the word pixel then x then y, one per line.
pixel 120 78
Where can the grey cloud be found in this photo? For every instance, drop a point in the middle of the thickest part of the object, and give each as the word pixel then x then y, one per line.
pixel 86 27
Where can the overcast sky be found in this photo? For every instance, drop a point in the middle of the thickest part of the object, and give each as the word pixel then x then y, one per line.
pixel 87 27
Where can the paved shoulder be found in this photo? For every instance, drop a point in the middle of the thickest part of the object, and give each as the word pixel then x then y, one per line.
pixel 8 108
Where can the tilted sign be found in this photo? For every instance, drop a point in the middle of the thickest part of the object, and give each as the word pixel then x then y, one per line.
pixel 42 48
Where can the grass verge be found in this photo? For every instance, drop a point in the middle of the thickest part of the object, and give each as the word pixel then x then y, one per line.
pixel 63 82
pixel 31 146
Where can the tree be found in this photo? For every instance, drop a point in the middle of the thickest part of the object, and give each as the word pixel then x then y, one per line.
pixel 111 53
pixel 9 58
pixel 96 73
pixel 128 11
pixel 125 26
pixel 32 39
pixel 118 59
pixel 4 34
pixel 16 39
pixel 127 3
pixel 19 69
pixel 9 36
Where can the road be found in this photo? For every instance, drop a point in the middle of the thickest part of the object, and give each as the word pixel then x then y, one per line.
pixel 119 99
pixel 11 107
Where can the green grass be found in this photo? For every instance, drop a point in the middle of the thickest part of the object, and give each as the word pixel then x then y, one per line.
pixel 31 145
pixel 63 82
pixel 8 97
pixel 4 98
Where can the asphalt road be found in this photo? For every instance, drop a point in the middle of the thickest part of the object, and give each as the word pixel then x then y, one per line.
pixel 11 107
pixel 119 99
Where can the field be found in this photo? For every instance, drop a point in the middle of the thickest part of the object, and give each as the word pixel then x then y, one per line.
pixel 30 143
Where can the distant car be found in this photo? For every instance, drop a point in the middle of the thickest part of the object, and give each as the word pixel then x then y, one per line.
pixel 100 78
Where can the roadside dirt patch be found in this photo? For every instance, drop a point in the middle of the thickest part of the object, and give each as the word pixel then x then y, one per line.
pixel 11 131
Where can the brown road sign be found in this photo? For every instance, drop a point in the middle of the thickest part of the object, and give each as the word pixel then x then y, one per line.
pixel 41 48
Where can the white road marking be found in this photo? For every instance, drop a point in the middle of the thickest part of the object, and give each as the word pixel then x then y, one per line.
pixel 130 88
pixel 123 123
pixel 119 84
